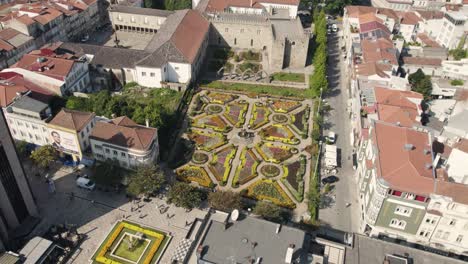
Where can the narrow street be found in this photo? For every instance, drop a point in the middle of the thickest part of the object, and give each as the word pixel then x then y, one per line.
pixel 336 214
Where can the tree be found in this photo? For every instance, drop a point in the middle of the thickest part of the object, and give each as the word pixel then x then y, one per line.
pixel 21 148
pixel 147 180
pixel 177 4
pixel 225 200
pixel 43 156
pixel 416 77
pixel 108 173
pixel 184 195
pixel 78 103
pixel 268 211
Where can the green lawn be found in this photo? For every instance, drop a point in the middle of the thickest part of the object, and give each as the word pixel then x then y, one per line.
pixel 133 255
pixel 288 77
pixel 260 89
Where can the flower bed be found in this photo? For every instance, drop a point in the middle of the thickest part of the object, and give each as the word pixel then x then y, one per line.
pixel 273 153
pixel 269 190
pixel 207 141
pixel 197 174
pixel 214 122
pixel 270 170
pixel 300 122
pixel 235 113
pixel 259 116
pixel 199 158
pixel 279 118
pixel 220 98
pixel 221 166
pixel 214 109
pixel 278 132
pixel 283 106
pixel 247 169
pixel 293 177
pixel 157 242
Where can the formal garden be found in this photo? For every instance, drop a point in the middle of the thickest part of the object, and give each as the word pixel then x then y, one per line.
pixel 250 144
pixel 130 243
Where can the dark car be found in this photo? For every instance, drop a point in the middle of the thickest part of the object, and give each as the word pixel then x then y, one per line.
pixel 330 180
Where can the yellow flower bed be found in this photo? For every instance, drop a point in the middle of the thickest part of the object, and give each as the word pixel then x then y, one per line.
pixel 203 179
pixel 154 248
pixel 287 201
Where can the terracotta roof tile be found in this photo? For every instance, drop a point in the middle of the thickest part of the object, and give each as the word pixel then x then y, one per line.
pixel 427 41
pixel 190 34
pixel 71 119
pixel 427 15
pixel 457 191
pixel 410 18
pixel 13 83
pixel 8 33
pixel 53 67
pixel 356 11
pixel 372 68
pixel 403 169
pixel 221 5
pixel 125 134
pixel 422 61
pixel 379 50
pixel 388 12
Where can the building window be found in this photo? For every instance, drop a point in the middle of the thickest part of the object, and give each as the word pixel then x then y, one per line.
pixel 14 131
pixel 219 40
pixel 399 224
pixel 242 30
pixel 82 133
pixel 176 68
pixel 30 136
pixel 152 74
pixel 403 210
pixel 251 42
pixel 133 19
pixel 459 238
pixel 26 124
pixel 446 235
pixel 107 151
pixel 235 41
pixel 87 129
pixel 143 73
pixel 438 234
pixel 452 222
pixel 146 20
pixel 115 152
pixel 123 154
pixel 97 146
pixel 100 156
pixel 34 127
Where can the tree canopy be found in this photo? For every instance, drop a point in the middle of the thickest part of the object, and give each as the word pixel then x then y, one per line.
pixel 184 195
pixel 146 180
pixel 421 83
pixel 268 211
pixel 318 80
pixel 108 173
pixel 225 200
pixel 44 156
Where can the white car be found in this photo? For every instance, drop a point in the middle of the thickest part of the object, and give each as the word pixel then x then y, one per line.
pixel 334 28
pixel 85 183
pixel 331 137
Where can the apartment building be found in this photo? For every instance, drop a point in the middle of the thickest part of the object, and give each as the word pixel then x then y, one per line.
pixel 402 193
pixel 13 44
pixel 453 29
pixel 455 69
pixel 17 203
pixel 430 22
pixel 123 140
pixel 397 5
pixel 430 66
pixel 60 73
pixel 43 22
pixel 69 132
pixel 409 25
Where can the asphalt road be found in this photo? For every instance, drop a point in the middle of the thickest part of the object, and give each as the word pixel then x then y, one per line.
pixel 336 215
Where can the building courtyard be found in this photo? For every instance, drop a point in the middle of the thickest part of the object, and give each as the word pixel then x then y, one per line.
pixel 256 145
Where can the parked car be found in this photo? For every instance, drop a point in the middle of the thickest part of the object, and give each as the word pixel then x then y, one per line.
pixel 331 137
pixel 85 183
pixel 85 38
pixel 330 180
pixel 334 28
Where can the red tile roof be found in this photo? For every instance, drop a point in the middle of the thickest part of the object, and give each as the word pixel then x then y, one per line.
pixel 422 61
pixel 124 132
pixel 427 41
pixel 356 11
pixel 13 83
pixel 394 106
pixel 410 18
pixel 427 15
pixel 71 119
pixel 403 169
pixel 372 68
pixel 374 25
pixel 190 34
pixel 379 50
pixel 48 65
pixel 221 5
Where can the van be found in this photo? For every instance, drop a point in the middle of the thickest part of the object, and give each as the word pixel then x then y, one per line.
pixel 331 138
pixel 85 183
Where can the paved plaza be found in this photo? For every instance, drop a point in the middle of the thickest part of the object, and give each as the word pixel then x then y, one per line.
pixel 95 213
pixel 246 144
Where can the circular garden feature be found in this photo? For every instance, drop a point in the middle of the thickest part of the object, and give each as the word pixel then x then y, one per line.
pixel 270 170
pixel 199 158
pixel 214 109
pixel 279 118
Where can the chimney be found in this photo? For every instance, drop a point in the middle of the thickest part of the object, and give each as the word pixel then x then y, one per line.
pixel 409 147
pixel 426 151
pixel 428 166
pixel 113 115
pixel 147 122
